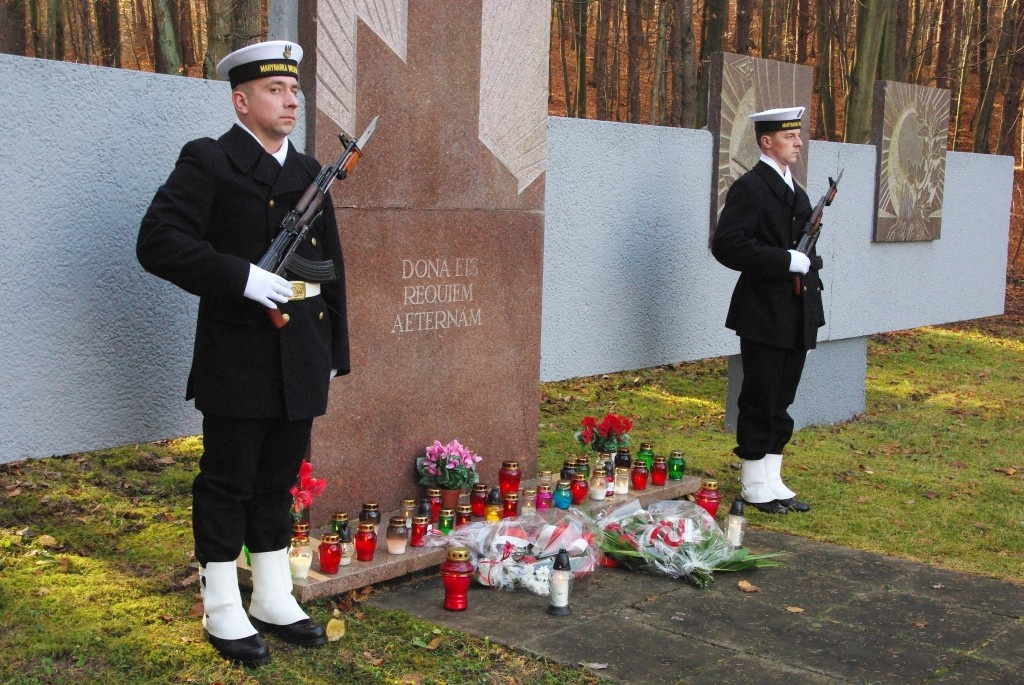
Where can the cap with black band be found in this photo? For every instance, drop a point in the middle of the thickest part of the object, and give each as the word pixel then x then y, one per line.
pixel 270 58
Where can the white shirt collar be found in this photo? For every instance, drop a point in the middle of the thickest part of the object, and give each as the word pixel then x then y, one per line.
pixel 282 152
pixel 786 174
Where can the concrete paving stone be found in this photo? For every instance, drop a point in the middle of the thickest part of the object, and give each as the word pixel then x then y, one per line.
pixel 976 592
pixel 916 619
pixel 854 566
pixel 746 668
pixel 970 671
pixel 1006 648
pixel 840 651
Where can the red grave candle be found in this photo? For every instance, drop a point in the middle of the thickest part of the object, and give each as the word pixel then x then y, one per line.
pixel 366 542
pixel 509 476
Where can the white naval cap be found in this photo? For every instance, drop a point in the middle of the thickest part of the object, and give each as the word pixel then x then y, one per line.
pixel 270 58
pixel 778 119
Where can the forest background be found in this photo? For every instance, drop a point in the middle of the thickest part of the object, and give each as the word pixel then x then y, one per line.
pixel 642 61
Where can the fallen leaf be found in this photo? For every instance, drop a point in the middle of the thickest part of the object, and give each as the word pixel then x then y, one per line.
pixel 594 665
pixel 1008 470
pixel 920 623
pixel 166 618
pixel 958 465
pixel 863 499
pixel 197 610
pixel 794 610
pixel 165 461
pixel 14 492
pixel 47 541
pixel 803 467
pixel 335 629
pixel 43 591
pixel 938 586
pixel 435 643
pixel 931 495
pixel 747 586
pixel 411 679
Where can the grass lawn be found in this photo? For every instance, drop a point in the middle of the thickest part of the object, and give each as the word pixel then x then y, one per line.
pixel 96 586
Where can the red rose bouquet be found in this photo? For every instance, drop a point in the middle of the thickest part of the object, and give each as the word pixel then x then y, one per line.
pixel 305 490
pixel 608 435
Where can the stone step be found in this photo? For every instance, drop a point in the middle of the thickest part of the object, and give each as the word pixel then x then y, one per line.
pixel 387 566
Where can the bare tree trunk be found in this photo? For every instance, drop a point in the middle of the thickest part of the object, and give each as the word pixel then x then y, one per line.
pixel 887 50
pixel 991 73
pixel 716 23
pixel 13 34
pixel 602 21
pixel 658 114
pixel 901 32
pixel 218 35
pixel 579 25
pixel 826 98
pixel 962 73
pixel 804 35
pixel 687 81
pixel 186 37
pixel 871 21
pixel 634 46
pixel 744 13
pixel 1012 96
pixel 946 29
pixel 767 44
pixel 56 25
pixel 245 23
pixel 165 39
pixel 108 26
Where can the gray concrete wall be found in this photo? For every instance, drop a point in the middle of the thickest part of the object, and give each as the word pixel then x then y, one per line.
pixel 96 352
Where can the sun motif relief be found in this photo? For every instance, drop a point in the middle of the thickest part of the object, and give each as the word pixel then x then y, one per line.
pixel 912 161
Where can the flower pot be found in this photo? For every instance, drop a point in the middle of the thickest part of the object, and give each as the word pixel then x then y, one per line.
pixel 450 498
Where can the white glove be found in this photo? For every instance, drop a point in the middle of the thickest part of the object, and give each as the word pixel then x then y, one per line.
pixel 266 287
pixel 798 262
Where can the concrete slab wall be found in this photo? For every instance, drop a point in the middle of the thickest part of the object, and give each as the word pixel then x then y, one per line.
pixel 629 281
pixel 96 352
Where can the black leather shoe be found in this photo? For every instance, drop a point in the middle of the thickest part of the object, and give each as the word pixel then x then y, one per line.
pixel 769 507
pixel 794 504
pixel 248 651
pixel 305 633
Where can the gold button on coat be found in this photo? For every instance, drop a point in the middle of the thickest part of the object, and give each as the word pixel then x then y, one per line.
pixel 320 316
pixel 286 317
pixel 271 203
pixel 313 240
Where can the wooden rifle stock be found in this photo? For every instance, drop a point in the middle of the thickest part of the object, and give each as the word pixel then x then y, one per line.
pixel 812 228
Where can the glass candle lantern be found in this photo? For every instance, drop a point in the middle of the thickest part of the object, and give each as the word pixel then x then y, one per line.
pixel 492 510
pixel 329 553
pixel 646 454
pixel 423 509
pixel 598 485
pixel 434 495
pixel 621 480
pixel 578 488
pixel 568 470
pixel 408 510
pixel 639 475
pixel 300 557
pixel 708 496
pixel 562 497
pixel 623 459
pixel 659 472
pixel 583 466
pixel 736 524
pixel 366 541
pixel 455 572
pixel 397 535
pixel 529 501
pixel 676 466
pixel 418 537
pixel 446 521
pixel 463 515
pixel 544 477
pixel 510 505
pixel 478 500
pixel 300 530
pixel 561 585
pixel 339 522
pixel 348 550
pixel 545 500
pixel 370 514
pixel 509 477
pixel 609 472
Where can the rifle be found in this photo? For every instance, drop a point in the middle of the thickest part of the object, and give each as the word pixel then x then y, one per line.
pixel 812 229
pixel 280 256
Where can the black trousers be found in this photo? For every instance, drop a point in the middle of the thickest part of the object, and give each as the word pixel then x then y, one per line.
pixel 770 379
pixel 241 494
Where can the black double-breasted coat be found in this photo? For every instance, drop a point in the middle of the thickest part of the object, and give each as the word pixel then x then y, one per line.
pixel 217 213
pixel 762 220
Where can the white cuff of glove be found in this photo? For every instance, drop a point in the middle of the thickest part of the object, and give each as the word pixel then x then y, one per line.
pixel 266 287
pixel 798 262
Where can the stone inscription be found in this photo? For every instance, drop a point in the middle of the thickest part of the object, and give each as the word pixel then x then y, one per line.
pixel 437 294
